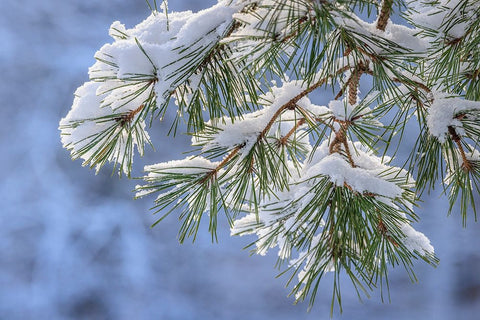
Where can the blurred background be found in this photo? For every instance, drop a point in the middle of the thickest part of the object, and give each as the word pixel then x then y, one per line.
pixel 75 245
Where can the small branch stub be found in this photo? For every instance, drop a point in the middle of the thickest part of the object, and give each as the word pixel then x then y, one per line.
pixel 127 118
pixel 466 165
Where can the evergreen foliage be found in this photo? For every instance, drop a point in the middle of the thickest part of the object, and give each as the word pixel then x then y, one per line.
pixel 318 182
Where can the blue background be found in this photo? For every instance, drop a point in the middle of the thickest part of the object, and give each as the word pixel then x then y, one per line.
pixel 74 245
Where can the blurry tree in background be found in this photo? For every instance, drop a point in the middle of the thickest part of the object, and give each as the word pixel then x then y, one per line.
pixel 320 182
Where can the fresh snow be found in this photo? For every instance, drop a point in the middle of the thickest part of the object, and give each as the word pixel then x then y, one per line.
pixel 444 112
pixel 153 58
pixel 246 129
pixel 140 62
pixel 75 245
pixel 91 121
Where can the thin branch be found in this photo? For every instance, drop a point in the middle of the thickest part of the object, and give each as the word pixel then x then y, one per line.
pixel 382 228
pixel 284 139
pixel 291 105
pixel 128 117
pixel 384 15
pixel 353 84
pixel 314 119
pixel 357 72
pixel 341 139
pixel 466 165
pixel 395 79
pixel 229 157
pixel 347 151
pixel 211 174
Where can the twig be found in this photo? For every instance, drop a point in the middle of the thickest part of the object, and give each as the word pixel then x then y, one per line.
pixel 384 15
pixel 341 139
pixel 291 104
pixel 382 228
pixel 353 84
pixel 347 151
pixel 227 159
pixel 395 79
pixel 467 166
pixel 358 70
pixel 128 117
pixel 284 139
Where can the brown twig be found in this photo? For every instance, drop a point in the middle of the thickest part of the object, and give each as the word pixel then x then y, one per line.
pixel 466 165
pixel 382 228
pixel 334 146
pixel 292 103
pixel 283 140
pixel 289 105
pixel 353 84
pixel 384 15
pixel 395 79
pixel 341 139
pixel 357 72
pixel 473 75
pixel 227 159
pixel 454 41
pixel 347 151
pixel 126 118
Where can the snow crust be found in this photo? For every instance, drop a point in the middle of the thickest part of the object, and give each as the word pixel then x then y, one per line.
pixel 360 179
pixel 189 165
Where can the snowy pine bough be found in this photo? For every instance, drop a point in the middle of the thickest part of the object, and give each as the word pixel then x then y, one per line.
pixel 316 182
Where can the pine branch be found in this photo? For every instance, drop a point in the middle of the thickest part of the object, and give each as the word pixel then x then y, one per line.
pixel 289 105
pixel 127 118
pixel 315 181
pixel 385 11
pixel 466 165
pixel 284 139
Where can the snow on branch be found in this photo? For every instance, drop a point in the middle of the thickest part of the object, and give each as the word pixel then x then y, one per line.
pixel 447 111
pixel 321 183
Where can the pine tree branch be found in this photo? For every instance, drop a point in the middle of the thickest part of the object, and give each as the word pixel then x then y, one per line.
pixel 290 105
pixel 347 151
pixel 382 228
pixel 353 83
pixel 341 225
pixel 384 15
pixel 466 165
pixel 395 79
pixel 283 140
pixel 341 139
pixel 350 83
pixel 127 118
pixel 229 157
